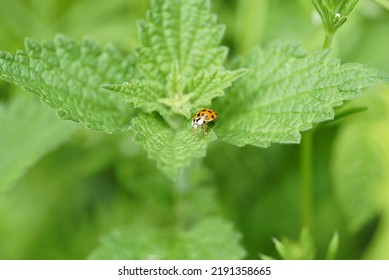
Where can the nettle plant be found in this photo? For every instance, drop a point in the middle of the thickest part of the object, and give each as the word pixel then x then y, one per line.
pixel 269 96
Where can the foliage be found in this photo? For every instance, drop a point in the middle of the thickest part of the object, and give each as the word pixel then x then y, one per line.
pixel 285 92
pixel 303 249
pixel 334 13
pixel 176 78
pixel 199 241
pixel 20 145
pixel 66 75
pixel 141 103
pixel 370 133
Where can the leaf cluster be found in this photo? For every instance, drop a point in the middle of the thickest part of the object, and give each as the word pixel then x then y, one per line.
pixel 334 13
pixel 269 96
pixel 178 70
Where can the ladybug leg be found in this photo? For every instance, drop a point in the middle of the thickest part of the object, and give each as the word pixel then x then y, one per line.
pixel 195 134
pixel 205 127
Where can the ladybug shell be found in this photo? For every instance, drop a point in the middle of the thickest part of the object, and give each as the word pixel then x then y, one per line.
pixel 202 117
pixel 207 115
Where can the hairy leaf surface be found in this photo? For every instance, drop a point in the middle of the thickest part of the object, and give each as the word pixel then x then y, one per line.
pixel 182 31
pixel 285 92
pixel 209 239
pixel 67 76
pixel 172 150
pixel 181 59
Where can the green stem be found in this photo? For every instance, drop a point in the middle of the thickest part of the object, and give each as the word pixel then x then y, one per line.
pixel 306 161
pixel 181 181
pixel 180 194
pixel 306 165
pixel 250 24
pixel 327 40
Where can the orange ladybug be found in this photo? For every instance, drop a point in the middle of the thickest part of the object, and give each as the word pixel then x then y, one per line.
pixel 202 118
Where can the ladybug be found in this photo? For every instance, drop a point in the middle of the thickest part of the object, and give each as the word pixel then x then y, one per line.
pixel 202 118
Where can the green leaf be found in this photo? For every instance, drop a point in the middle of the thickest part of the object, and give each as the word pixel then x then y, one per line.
pixel 303 249
pixel 172 150
pixel 181 59
pixel 361 147
pixel 140 94
pixel 133 242
pixel 209 84
pixel 67 76
pixel 285 92
pixel 334 13
pixel 27 133
pixel 377 249
pixel 185 32
pixel 383 3
pixel 182 98
pixel 209 239
pixel 333 247
pixel 265 257
pixel 348 112
pixel 175 96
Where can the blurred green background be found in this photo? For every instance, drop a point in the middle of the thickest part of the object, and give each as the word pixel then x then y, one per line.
pixel 90 182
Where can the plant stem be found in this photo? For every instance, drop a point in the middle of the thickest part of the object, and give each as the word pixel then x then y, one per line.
pixel 306 165
pixel 181 182
pixel 180 193
pixel 306 161
pixel 250 24
pixel 327 40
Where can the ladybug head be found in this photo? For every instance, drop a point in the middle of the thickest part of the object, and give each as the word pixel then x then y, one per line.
pixel 196 122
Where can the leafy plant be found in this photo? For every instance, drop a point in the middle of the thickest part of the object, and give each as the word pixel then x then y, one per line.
pixel 269 96
pixel 180 70
pixel 334 14
pixel 303 249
